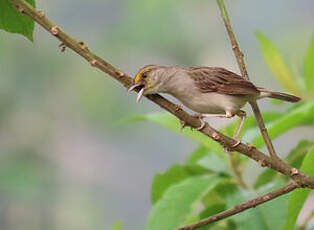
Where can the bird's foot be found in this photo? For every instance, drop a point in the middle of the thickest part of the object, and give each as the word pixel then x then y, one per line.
pixel 237 143
pixel 200 117
pixel 183 125
pixel 178 108
pixel 229 149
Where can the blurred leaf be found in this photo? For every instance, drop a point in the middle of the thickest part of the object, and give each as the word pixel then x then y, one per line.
pixel 179 202
pixel 294 159
pixel 197 154
pixel 252 219
pixel 274 212
pixel 302 115
pixel 117 226
pixel 169 121
pixel 212 210
pixel 175 174
pixel 249 123
pixel 309 68
pixel 265 177
pixel 214 163
pixel 296 156
pixel 13 21
pixel 299 196
pixel 276 63
pixel 25 173
pixel 209 160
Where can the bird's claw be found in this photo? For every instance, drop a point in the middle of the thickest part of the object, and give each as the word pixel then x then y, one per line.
pixel 200 117
pixel 237 143
pixel 202 125
pixel 228 150
pixel 183 124
pixel 178 108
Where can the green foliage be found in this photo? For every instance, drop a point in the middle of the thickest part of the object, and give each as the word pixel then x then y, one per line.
pixel 294 159
pixel 13 21
pixel 173 175
pixel 301 115
pixel 298 197
pixel 309 69
pixel 226 193
pixel 273 212
pixel 180 202
pixel 117 226
pixel 25 175
pixel 276 63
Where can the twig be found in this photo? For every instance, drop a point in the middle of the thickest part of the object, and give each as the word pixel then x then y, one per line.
pixel 80 48
pixel 240 60
pixel 242 207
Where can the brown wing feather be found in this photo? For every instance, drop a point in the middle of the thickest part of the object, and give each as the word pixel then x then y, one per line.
pixel 220 80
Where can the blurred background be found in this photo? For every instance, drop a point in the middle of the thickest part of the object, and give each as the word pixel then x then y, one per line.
pixel 67 158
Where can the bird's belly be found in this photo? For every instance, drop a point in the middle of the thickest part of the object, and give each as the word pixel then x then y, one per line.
pixel 213 103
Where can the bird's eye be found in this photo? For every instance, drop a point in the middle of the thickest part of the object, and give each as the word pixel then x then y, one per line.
pixel 144 75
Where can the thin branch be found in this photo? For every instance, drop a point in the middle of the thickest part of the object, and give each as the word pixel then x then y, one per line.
pixel 303 180
pixel 242 207
pixel 240 60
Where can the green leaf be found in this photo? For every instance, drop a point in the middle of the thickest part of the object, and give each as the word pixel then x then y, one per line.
pixel 265 177
pixel 302 115
pixel 309 68
pixel 294 159
pixel 252 219
pixel 274 212
pixel 175 174
pixel 199 153
pixel 180 202
pixel 214 163
pixel 117 226
pixel 250 122
pixel 209 160
pixel 276 63
pixel 299 196
pixel 171 122
pixel 296 156
pixel 13 21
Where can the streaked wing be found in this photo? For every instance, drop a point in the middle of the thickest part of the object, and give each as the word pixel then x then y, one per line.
pixel 220 80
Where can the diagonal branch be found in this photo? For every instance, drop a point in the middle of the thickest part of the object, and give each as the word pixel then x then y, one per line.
pixel 240 60
pixel 303 180
pixel 242 207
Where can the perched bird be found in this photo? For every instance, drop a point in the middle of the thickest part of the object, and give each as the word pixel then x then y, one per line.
pixel 209 91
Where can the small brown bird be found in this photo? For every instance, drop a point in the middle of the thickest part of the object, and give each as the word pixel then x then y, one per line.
pixel 209 91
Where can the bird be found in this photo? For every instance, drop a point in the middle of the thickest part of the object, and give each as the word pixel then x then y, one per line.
pixel 208 91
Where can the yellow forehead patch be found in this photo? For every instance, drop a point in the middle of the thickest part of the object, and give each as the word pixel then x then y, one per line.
pixel 143 70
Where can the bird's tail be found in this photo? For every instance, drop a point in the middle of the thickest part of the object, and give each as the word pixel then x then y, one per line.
pixel 278 95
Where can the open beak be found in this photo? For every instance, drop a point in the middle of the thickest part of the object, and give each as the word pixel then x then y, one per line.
pixel 140 84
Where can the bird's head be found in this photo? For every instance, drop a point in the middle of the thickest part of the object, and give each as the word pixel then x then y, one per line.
pixel 147 80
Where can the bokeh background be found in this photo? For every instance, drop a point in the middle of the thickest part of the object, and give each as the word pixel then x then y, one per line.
pixel 68 159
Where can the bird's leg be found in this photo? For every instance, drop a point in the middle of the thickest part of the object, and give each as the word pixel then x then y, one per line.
pixel 201 117
pixel 242 115
pixel 227 115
